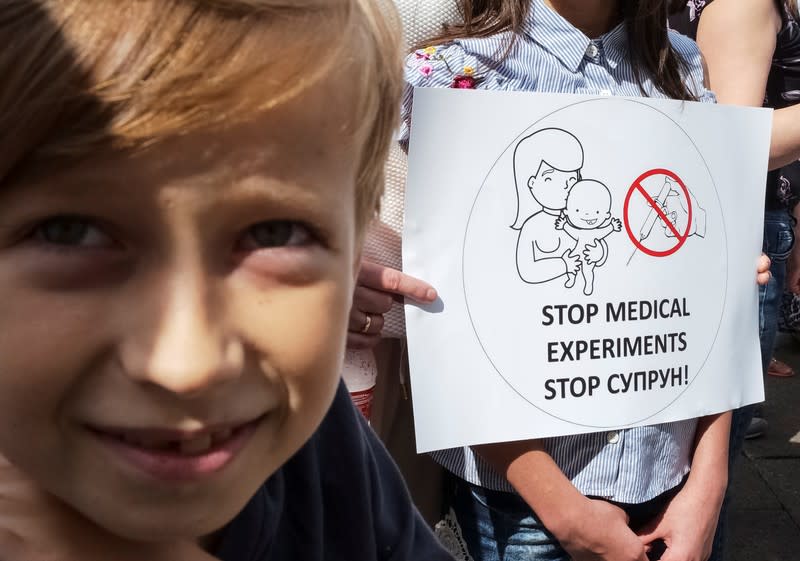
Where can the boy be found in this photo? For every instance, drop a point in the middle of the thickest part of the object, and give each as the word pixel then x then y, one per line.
pixel 184 185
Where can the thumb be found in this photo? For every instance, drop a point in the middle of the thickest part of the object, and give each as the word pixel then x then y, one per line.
pixel 651 532
pixel 671 555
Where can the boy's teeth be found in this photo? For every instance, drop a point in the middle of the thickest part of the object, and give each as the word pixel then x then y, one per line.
pixel 145 442
pixel 221 436
pixel 195 445
pixel 189 447
pixel 153 443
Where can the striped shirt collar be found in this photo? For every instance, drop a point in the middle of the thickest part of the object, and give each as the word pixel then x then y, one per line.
pixel 567 43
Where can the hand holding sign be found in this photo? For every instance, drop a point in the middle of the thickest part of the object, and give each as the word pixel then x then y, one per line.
pixel 762 272
pixel 376 290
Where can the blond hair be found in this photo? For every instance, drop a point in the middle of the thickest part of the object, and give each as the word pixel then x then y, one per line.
pixel 79 75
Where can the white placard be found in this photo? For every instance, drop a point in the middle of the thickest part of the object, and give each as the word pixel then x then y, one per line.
pixel 595 260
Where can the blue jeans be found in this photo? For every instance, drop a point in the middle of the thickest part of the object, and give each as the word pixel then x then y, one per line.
pixel 778 243
pixel 499 526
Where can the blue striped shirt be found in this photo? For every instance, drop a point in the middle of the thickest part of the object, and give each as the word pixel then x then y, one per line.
pixel 551 55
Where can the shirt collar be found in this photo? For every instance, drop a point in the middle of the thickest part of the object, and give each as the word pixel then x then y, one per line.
pixel 566 42
pixel 615 45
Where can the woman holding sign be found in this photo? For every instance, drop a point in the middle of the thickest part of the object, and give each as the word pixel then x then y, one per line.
pixel 753 52
pixel 617 496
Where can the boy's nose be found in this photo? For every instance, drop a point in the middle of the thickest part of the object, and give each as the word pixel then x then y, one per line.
pixel 182 345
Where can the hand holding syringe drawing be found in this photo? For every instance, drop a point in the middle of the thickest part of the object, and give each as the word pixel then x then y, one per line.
pixel 678 211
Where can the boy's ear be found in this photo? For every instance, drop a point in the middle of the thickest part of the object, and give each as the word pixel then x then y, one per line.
pixel 531 181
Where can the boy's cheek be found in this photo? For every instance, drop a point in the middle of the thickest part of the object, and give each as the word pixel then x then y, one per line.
pixel 299 332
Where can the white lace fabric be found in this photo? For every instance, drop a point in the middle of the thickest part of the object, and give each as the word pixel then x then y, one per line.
pixel 449 533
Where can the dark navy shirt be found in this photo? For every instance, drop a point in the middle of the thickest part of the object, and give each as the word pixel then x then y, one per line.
pixel 340 498
pixel 783 90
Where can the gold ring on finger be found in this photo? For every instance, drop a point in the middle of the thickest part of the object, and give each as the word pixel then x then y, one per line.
pixel 367 323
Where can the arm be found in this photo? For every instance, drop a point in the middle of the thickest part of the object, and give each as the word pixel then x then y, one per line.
pixel 613 226
pixel 571 230
pixel 688 524
pixel 571 517
pixel 738 40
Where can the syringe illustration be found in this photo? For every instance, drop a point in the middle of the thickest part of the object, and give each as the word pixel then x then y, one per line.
pixel 652 216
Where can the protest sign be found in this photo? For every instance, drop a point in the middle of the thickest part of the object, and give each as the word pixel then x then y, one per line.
pixel 595 260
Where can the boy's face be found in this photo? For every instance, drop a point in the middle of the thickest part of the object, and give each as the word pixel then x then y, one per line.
pixel 588 207
pixel 550 186
pixel 172 323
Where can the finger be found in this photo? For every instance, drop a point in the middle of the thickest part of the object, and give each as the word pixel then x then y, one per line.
pixel 650 533
pixel 763 278
pixel 764 264
pixel 391 280
pixel 369 301
pixel 359 341
pixel 358 322
pixel 673 555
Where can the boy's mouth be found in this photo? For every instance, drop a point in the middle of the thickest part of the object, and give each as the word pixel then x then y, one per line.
pixel 178 455
pixel 590 222
pixel 188 446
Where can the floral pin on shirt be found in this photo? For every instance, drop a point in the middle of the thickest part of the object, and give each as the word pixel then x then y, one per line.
pixel 466 79
pixel 695 7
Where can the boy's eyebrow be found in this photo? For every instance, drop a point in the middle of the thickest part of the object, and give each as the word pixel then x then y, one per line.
pixel 548 170
pixel 253 187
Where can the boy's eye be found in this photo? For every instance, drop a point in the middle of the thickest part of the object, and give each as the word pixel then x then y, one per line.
pixel 69 231
pixel 276 233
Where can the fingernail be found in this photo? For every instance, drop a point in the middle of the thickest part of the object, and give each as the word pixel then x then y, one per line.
pixel 430 294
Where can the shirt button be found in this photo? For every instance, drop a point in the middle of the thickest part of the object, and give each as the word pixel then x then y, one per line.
pixel 592 51
pixel 612 437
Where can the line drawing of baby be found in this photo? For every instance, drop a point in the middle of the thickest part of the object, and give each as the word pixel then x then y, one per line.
pixel 587 220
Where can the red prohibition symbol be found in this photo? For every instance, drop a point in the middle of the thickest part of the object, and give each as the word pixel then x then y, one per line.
pixel 656 213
